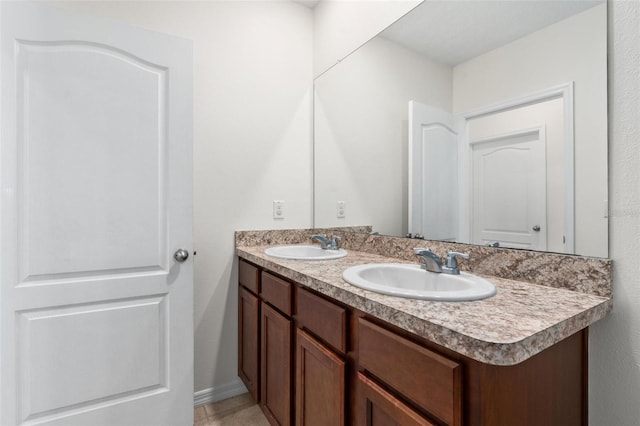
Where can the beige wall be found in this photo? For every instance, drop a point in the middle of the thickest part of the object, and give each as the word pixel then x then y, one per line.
pixel 614 373
pixel 570 50
pixel 252 133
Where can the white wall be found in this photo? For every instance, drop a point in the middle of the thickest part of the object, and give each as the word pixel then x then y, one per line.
pixel 341 26
pixel 361 113
pixel 614 372
pixel 252 142
pixel 570 50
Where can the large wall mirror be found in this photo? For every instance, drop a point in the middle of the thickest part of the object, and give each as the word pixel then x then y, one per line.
pixel 474 121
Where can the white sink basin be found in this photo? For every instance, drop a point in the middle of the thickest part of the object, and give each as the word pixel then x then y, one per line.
pixel 304 253
pixel 410 281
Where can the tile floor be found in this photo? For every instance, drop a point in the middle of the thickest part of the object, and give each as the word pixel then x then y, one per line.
pixel 237 411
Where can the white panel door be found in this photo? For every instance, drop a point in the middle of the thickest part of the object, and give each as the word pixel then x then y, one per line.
pixel 509 190
pixel 433 172
pixel 96 166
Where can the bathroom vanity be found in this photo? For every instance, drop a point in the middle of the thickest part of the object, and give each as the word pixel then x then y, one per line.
pixel 316 350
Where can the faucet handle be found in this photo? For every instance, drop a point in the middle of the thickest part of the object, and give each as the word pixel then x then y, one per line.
pixel 452 262
pixel 335 242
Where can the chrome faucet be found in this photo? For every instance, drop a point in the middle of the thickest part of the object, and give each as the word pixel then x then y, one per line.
pixel 451 264
pixel 429 261
pixel 326 243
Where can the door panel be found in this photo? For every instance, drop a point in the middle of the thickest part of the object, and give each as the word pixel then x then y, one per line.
pixel 96 165
pixel 509 190
pixel 49 360
pixel 433 172
pixel 61 83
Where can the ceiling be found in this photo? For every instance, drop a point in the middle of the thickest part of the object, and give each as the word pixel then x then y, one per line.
pixel 454 31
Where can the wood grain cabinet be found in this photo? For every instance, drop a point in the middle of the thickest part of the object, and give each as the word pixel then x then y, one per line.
pixel 320 383
pixel 427 379
pixel 276 349
pixel 311 361
pixel 265 350
pixel 321 346
pixel 276 366
pixel 377 407
pixel 249 341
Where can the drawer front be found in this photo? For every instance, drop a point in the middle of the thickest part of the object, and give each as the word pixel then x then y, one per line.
pixel 249 276
pixel 277 292
pixel 421 375
pixel 326 320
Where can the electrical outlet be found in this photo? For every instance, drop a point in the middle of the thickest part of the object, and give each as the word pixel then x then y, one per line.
pixel 278 209
pixel 341 208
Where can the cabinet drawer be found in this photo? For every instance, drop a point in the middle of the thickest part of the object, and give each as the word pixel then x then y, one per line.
pixel 326 320
pixel 249 276
pixel 423 376
pixel 277 292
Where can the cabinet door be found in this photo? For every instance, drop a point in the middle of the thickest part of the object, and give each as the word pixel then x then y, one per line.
pixel 320 384
pixel 377 407
pixel 276 366
pixel 248 341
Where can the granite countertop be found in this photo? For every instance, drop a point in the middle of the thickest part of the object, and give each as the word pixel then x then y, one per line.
pixel 521 320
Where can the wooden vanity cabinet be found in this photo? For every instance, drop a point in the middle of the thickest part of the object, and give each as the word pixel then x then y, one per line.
pixel 248 328
pixel 320 383
pixel 311 360
pixel 377 407
pixel 275 374
pixel 249 341
pixel 265 351
pixel 276 349
pixel 417 374
pixel 447 388
pixel 321 345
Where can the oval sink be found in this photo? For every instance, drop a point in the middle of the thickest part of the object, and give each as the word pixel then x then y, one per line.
pixel 410 281
pixel 304 253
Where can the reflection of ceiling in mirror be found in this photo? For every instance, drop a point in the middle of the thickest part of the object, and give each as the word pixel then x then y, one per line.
pixel 479 26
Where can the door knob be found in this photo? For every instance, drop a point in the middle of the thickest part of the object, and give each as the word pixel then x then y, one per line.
pixel 181 255
pixel 536 228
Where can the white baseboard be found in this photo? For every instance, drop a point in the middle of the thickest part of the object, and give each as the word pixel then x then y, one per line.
pixel 218 393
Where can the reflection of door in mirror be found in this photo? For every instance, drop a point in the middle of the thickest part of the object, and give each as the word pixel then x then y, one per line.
pixel 508 194
pixel 433 172
pixel 516 194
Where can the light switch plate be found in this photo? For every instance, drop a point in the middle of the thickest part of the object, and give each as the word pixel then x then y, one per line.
pixel 341 208
pixel 278 209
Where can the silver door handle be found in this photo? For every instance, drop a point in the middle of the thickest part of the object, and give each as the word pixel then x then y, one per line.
pixel 536 228
pixel 181 255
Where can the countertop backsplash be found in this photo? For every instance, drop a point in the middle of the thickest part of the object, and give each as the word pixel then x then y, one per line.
pixel 583 274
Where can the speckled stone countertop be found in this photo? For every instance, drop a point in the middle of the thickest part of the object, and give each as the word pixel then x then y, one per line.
pixel 520 321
